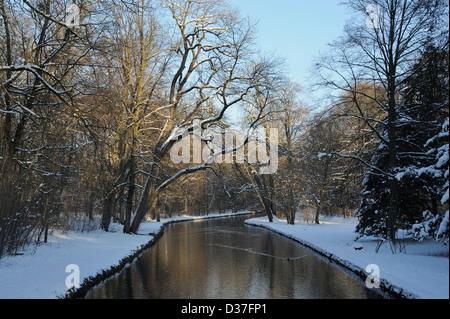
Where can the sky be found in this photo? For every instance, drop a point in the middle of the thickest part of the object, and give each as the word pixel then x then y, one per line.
pixel 296 30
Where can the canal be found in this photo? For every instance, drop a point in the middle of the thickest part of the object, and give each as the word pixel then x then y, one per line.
pixel 226 259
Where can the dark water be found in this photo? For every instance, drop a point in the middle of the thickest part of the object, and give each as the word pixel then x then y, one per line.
pixel 224 259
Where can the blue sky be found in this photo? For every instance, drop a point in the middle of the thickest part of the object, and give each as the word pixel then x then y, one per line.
pixel 297 30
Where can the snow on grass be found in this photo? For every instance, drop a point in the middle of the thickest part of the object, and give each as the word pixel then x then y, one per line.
pixel 421 271
pixel 41 272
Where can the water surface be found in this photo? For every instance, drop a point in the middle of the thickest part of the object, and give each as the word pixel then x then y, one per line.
pixel 226 259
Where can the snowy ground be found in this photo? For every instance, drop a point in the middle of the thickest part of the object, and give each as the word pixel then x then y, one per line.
pixel 422 271
pixel 41 273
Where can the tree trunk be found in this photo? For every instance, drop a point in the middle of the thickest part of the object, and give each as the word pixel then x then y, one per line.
pixel 147 197
pixel 291 217
pixel 107 214
pixel 269 211
pixel 5 135
pixel 158 211
pixel 46 232
pixel 316 215
pixel 91 206
pixel 122 205
pixel 129 202
pixel 392 136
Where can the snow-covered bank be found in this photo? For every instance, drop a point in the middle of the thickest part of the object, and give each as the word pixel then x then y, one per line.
pixel 422 272
pixel 41 273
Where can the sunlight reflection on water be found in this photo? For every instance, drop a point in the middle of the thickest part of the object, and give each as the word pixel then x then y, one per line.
pixel 224 259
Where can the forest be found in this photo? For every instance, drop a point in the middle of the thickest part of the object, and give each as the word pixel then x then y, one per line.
pixel 94 96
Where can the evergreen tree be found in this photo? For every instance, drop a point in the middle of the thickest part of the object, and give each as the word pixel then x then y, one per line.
pixel 430 88
pixel 374 210
pixel 419 178
pixel 435 224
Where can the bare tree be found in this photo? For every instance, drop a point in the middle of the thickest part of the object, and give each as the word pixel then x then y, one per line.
pixel 212 45
pixel 291 120
pixel 41 57
pixel 140 56
pixel 378 49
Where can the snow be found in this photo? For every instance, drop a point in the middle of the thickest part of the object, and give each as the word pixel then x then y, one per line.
pixel 445 197
pixel 444 224
pixel 421 272
pixel 40 273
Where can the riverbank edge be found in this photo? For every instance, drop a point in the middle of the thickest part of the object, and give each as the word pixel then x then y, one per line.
pixel 386 287
pixel 92 281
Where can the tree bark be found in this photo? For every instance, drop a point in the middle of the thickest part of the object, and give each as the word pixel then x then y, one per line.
pixel 147 197
pixel 107 214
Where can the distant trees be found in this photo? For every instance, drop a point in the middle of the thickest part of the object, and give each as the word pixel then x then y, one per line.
pixel 92 100
pixel 323 137
pixel 291 121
